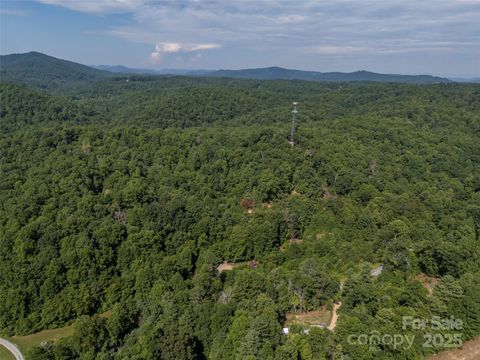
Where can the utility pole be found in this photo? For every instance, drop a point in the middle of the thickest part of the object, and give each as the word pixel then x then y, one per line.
pixel 294 118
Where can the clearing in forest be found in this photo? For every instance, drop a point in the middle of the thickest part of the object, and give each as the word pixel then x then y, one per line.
pixel 226 266
pixel 428 282
pixel 28 341
pixel 51 335
pixel 469 351
pixel 375 272
pixel 318 318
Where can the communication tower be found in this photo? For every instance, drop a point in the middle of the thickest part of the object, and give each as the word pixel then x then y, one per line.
pixel 294 118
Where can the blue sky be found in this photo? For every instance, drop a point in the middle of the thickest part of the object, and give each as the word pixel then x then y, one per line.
pixel 439 37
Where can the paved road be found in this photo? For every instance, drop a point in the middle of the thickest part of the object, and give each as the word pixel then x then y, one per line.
pixel 12 348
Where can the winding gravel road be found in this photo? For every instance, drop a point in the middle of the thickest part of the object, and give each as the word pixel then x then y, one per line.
pixel 12 348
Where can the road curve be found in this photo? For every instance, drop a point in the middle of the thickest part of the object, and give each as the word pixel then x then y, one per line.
pixel 12 348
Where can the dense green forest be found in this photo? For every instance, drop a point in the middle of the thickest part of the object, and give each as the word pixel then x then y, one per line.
pixel 123 196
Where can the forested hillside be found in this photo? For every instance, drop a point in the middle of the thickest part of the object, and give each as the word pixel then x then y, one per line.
pixel 45 72
pixel 124 197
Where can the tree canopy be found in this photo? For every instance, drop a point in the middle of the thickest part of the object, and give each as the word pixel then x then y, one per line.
pixel 125 196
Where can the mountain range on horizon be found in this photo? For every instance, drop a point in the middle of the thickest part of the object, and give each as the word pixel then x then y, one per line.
pixel 46 72
pixel 280 73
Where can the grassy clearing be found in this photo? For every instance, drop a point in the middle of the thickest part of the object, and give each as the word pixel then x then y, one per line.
pixel 5 354
pixel 319 317
pixel 28 341
pixel 51 335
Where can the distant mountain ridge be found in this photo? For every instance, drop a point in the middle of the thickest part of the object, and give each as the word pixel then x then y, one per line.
pixel 128 70
pixel 120 69
pixel 289 74
pixel 465 80
pixel 279 73
pixel 45 72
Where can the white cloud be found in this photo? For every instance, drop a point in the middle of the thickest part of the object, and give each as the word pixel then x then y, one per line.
pixel 168 47
pixel 337 50
pixel 273 30
pixel 97 6
pixel 171 47
pixel 394 47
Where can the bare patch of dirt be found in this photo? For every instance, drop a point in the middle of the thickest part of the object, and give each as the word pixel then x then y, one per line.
pixel 247 204
pixel 319 318
pixel 226 266
pixel 428 282
pixel 333 322
pixel 469 351
pixel 295 241
pixel 377 270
